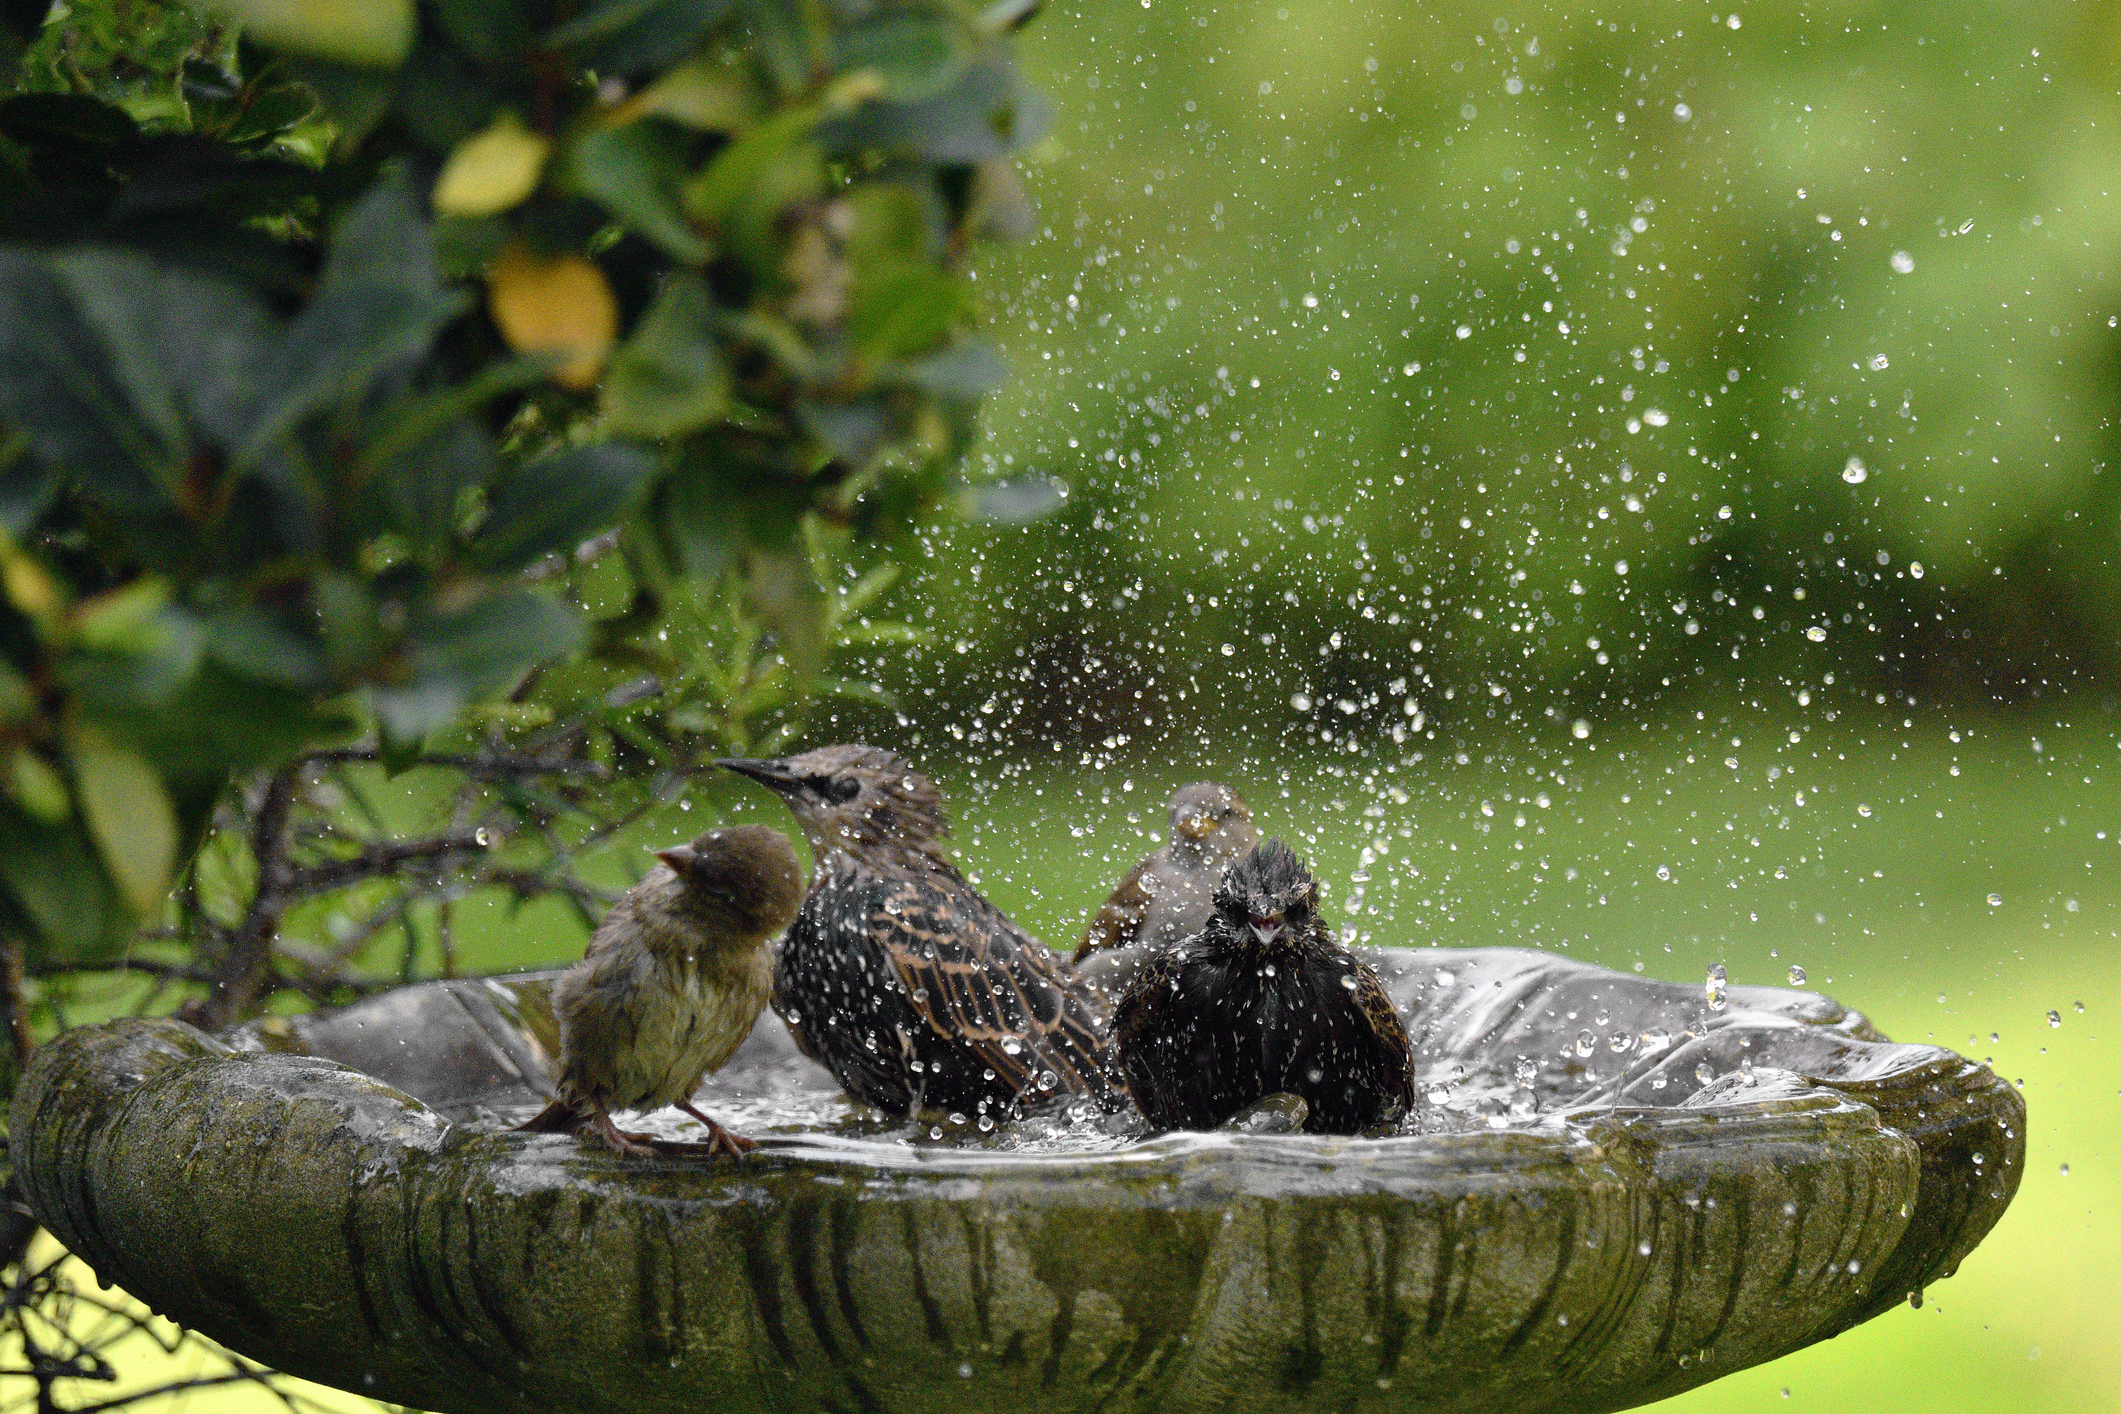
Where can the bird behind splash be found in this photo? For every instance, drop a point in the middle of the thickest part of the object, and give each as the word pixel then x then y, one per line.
pixel 1168 896
pixel 912 988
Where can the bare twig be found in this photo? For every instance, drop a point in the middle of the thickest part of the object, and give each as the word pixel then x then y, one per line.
pixel 248 960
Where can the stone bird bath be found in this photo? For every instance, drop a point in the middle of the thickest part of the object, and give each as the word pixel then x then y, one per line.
pixel 321 1195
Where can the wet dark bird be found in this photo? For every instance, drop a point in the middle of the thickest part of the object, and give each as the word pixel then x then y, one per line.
pixel 673 980
pixel 1170 894
pixel 898 975
pixel 1260 1001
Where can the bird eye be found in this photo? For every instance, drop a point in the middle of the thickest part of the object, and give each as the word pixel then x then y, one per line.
pixel 838 789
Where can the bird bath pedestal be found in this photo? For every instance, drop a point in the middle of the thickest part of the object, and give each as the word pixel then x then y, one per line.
pixel 320 1195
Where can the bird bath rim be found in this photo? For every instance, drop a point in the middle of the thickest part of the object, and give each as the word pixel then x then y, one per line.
pixel 316 1218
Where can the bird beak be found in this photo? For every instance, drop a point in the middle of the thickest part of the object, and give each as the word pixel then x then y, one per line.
pixel 1266 929
pixel 679 857
pixel 1195 827
pixel 770 774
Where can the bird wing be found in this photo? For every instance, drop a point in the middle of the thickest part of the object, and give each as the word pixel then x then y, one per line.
pixel 1119 922
pixel 1385 1024
pixel 1148 1051
pixel 981 982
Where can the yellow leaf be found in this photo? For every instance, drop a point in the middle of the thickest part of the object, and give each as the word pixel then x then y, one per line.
pixel 491 171
pixel 561 308
pixel 37 788
pixel 376 33
pixel 29 588
pixel 130 818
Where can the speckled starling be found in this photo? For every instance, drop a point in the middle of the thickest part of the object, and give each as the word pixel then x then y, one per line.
pixel 1170 894
pixel 1263 1000
pixel 898 976
pixel 672 982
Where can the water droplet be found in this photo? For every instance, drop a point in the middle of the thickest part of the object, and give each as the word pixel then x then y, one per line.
pixel 1716 987
pixel 1864 811
pixel 1643 1247
pixel 1995 900
pixel 1585 1043
pixel 1855 473
pixel 1816 634
pixel 1880 362
pixel 2054 1018
pixel 1579 729
pixel 1905 264
pixel 1704 1072
pixel 1656 417
pixel 2065 1170
pixel 1796 975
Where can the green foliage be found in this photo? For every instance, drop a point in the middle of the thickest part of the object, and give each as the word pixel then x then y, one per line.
pixel 326 343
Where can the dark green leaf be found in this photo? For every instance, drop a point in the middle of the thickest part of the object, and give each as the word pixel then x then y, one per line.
pixel 852 431
pixel 355 98
pixel 968 368
pixel 631 36
pixel 381 300
pixel 455 659
pixel 555 503
pixel 52 876
pixel 668 379
pixel 142 673
pixel 398 754
pixel 696 518
pixel 181 346
pixel 633 171
pixel 901 313
pixel 102 355
pixel 26 488
pixel 487 30
pixel 988 112
pixel 422 486
pixel 782 31
pixel 256 643
pixel 915 54
pixel 442 96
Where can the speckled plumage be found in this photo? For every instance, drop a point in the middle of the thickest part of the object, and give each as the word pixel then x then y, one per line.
pixel 915 990
pixel 1263 1000
pixel 1169 895
pixel 673 980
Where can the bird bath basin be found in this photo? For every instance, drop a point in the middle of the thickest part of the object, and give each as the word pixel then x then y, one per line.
pixel 330 1195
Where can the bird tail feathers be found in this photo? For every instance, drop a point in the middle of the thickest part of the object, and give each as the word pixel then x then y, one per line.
pixel 562 1116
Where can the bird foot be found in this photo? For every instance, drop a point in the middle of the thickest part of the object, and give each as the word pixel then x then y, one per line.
pixel 631 1143
pixel 719 1140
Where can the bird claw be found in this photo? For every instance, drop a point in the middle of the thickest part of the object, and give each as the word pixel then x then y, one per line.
pixel 720 1140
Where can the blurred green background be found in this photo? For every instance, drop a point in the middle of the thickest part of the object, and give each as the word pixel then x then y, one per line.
pixel 1633 479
